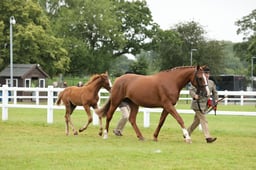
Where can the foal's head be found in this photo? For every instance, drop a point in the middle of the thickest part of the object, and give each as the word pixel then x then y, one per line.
pixel 105 81
pixel 200 80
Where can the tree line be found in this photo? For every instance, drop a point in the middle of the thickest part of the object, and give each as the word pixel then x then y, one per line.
pixel 84 37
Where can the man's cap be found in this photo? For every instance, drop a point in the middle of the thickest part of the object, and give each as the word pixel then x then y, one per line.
pixel 206 69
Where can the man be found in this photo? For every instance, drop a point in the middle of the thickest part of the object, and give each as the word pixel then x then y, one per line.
pixel 125 110
pixel 199 105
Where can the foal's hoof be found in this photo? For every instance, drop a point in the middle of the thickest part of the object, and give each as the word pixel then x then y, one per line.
pixel 155 139
pixel 141 139
pixel 189 141
pixel 100 133
pixel 81 130
pixel 76 133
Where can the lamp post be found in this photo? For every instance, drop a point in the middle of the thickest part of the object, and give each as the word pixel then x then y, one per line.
pixel 12 22
pixel 191 55
pixel 252 71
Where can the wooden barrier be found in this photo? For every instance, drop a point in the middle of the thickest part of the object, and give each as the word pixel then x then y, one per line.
pixel 9 99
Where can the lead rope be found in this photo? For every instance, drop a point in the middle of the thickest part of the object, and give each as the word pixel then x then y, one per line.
pixel 198 92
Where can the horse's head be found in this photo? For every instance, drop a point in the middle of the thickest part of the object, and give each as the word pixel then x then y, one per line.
pixel 200 80
pixel 106 83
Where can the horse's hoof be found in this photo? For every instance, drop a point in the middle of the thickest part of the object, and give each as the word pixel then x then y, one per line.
pixel 105 134
pixel 75 133
pixel 100 133
pixel 155 139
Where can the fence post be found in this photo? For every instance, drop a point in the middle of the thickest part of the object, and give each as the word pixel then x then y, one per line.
pixel 50 104
pixel 5 99
pixel 226 98
pixel 146 117
pixel 242 98
pixel 95 118
pixel 37 95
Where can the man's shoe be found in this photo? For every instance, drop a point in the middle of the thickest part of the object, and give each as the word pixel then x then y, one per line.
pixel 117 133
pixel 210 140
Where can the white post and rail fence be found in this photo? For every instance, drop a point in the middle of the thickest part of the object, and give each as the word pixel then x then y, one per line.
pixel 44 98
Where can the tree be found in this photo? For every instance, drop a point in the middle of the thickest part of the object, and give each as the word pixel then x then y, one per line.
pixel 140 66
pixel 247 49
pixel 137 26
pixel 33 39
pixel 120 66
pixel 192 35
pixel 211 53
pixel 232 63
pixel 168 46
pixel 207 52
pixel 107 29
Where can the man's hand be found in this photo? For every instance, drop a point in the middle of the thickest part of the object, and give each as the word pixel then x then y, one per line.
pixel 196 97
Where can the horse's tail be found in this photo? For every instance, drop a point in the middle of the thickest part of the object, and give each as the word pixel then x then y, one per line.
pixel 58 102
pixel 102 112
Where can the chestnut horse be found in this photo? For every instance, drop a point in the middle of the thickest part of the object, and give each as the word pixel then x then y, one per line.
pixel 86 96
pixel 159 90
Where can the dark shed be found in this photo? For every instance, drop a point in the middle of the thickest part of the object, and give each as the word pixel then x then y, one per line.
pixel 25 75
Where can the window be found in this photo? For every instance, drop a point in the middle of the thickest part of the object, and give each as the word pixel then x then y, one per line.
pixel 41 82
pixel 15 82
pixel 27 82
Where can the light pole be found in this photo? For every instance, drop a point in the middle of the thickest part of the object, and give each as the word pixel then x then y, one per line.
pixel 191 55
pixel 252 71
pixel 12 22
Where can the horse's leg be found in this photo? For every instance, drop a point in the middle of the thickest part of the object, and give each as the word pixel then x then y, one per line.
pixel 160 124
pixel 88 111
pixel 171 109
pixel 132 119
pixel 108 119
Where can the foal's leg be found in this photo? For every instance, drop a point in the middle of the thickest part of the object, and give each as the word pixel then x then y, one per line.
pixel 160 124
pixel 88 111
pixel 100 120
pixel 69 110
pixel 101 126
pixel 175 114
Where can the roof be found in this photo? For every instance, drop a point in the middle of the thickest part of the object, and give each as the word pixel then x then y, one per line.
pixel 21 70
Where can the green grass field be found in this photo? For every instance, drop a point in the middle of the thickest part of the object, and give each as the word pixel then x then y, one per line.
pixel 28 142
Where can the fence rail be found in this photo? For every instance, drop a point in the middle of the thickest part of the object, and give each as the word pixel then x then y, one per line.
pixel 44 98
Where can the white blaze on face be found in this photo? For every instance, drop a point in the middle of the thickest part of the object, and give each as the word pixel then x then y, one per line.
pixel 110 84
pixel 206 85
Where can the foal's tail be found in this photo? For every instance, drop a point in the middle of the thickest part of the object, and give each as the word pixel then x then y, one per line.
pixel 58 102
pixel 102 112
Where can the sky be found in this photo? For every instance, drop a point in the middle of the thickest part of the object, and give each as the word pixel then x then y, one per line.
pixel 217 17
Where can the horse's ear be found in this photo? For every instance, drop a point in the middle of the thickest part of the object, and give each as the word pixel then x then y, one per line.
pixel 197 67
pixel 106 72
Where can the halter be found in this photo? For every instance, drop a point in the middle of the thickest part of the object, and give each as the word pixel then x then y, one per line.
pixel 197 81
pixel 199 87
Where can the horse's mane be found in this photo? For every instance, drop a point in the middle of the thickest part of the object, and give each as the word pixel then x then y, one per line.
pixel 94 77
pixel 176 68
